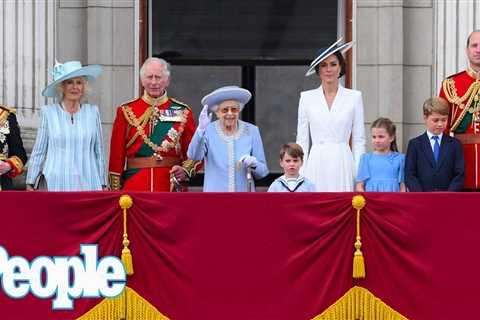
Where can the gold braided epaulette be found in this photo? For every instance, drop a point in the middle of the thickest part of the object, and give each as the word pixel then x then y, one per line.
pixel 5 112
pixel 183 104
pixel 9 109
pixel 126 103
pixel 455 74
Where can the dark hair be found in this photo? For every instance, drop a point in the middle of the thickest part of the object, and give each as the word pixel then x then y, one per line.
pixel 388 125
pixel 470 35
pixel 292 149
pixel 341 60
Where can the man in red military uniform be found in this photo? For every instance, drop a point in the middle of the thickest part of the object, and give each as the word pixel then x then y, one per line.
pixel 462 91
pixel 150 137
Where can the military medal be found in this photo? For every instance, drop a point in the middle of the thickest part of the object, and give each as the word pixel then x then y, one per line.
pixel 157 156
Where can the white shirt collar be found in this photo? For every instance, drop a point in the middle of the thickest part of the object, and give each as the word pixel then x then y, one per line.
pixel 292 183
pixel 430 135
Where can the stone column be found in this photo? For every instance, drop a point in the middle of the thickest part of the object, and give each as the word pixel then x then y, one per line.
pixel 102 32
pixel 27 46
pixel 454 21
pixel 418 71
pixel 379 60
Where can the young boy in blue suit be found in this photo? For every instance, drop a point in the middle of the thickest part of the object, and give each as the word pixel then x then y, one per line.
pixel 434 160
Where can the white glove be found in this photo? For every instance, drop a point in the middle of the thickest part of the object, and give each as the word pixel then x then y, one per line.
pixel 248 161
pixel 204 119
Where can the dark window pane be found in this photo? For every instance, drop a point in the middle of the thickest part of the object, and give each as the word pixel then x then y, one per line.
pixel 190 83
pixel 238 30
pixel 277 93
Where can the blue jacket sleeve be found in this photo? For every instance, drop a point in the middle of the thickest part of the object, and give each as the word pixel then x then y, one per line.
pixel 197 150
pixel 411 176
pixel 257 151
pixel 456 184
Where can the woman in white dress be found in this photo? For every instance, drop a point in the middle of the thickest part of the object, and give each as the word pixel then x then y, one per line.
pixel 68 149
pixel 331 117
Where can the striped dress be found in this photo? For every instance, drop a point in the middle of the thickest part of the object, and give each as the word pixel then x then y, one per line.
pixel 68 150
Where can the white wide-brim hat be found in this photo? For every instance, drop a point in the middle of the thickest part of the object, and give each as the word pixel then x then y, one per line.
pixel 214 98
pixel 69 70
pixel 324 53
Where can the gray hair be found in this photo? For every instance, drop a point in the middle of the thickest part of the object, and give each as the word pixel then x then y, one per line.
pixel 214 108
pixel 86 90
pixel 155 60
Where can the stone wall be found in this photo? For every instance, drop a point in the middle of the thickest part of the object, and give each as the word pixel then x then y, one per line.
pixel 101 32
pixel 404 49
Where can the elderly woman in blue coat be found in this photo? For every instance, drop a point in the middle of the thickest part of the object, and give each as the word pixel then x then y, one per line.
pixel 232 149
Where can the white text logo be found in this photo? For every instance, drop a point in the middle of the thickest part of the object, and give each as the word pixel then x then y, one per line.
pixel 65 278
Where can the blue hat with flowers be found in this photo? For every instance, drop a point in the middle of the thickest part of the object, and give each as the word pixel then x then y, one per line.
pixel 219 95
pixel 69 70
pixel 323 53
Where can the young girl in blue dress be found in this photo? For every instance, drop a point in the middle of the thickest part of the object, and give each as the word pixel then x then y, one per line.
pixel 382 169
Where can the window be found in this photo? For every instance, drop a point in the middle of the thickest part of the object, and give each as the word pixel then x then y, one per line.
pixel 264 46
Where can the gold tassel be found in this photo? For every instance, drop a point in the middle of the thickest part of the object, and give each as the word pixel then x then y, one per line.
pixel 126 203
pixel 358 202
pixel 127 257
pixel 358 263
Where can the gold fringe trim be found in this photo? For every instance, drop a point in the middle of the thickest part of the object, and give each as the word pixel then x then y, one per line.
pixel 359 303
pixel 129 305
pixel 126 202
pixel 358 202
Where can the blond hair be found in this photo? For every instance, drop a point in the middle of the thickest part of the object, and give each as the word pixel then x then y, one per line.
pixel 86 90
pixel 436 105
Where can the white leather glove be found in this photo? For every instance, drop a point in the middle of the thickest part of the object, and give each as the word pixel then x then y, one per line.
pixel 248 161
pixel 204 119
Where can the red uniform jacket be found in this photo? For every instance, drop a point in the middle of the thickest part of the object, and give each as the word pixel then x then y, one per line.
pixel 462 91
pixel 149 136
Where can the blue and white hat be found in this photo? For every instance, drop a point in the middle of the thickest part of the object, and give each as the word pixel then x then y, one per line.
pixel 323 53
pixel 69 70
pixel 214 98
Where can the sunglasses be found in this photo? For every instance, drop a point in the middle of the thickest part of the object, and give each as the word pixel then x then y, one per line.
pixel 225 110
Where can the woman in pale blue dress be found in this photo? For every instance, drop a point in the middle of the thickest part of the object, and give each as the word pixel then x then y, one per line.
pixel 383 169
pixel 68 149
pixel 232 149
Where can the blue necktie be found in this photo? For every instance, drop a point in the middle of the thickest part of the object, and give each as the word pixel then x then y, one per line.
pixel 436 148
